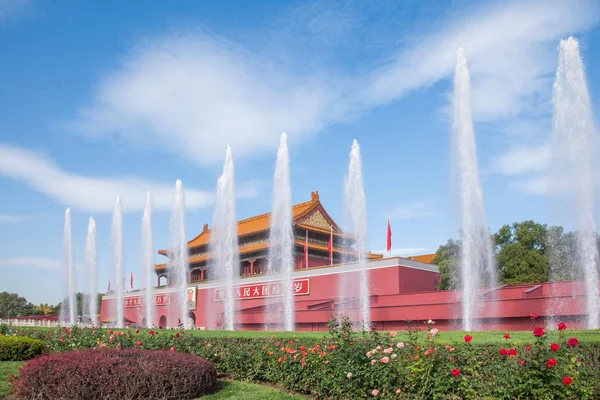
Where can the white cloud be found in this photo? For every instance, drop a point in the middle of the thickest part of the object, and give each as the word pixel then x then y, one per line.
pixel 94 194
pixel 31 262
pixel 404 251
pixel 413 210
pixel 523 160
pixel 511 50
pixel 192 93
pixel 14 218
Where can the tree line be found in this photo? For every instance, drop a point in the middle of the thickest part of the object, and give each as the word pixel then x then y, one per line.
pixel 525 252
pixel 12 305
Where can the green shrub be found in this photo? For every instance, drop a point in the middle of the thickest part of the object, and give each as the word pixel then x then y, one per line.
pixel 19 348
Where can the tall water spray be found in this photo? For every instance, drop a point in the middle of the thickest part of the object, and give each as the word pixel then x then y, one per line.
pixel 179 257
pixel 224 238
pixel 148 259
pixel 355 208
pixel 281 257
pixel 476 255
pixel 574 142
pixel 70 272
pixel 91 267
pixel 117 252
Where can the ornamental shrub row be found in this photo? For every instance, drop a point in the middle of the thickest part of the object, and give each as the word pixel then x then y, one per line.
pixel 379 365
pixel 116 374
pixel 18 348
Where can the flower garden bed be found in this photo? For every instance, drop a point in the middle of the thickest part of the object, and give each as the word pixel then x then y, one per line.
pixel 416 364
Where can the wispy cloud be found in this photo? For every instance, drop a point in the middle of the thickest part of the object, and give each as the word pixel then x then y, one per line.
pixel 94 194
pixel 14 218
pixel 193 93
pixel 404 251
pixel 31 262
pixel 12 8
pixel 412 210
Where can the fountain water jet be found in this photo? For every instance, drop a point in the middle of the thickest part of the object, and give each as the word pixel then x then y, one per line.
pixel 117 250
pixel 70 273
pixel 224 239
pixel 573 141
pixel 178 249
pixel 355 209
pixel 281 257
pixel 91 267
pixel 476 254
pixel 148 259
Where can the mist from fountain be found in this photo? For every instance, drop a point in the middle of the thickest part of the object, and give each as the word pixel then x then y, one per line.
pixel 574 141
pixel 148 260
pixel 91 268
pixel 178 251
pixel 355 221
pixel 476 254
pixel 224 240
pixel 68 310
pixel 117 254
pixel 281 257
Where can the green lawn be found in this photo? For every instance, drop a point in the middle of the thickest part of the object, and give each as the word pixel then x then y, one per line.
pixel 7 368
pixel 249 391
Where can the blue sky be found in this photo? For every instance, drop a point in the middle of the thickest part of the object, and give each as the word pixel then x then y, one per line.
pixel 105 98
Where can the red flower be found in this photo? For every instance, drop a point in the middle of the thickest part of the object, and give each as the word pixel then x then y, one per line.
pixel 538 332
pixel 468 339
pixel 507 336
pixel 137 331
pixel 151 332
pixel 139 344
pixel 567 380
pixel 109 331
pixel 572 342
pixel 455 372
pixel 554 347
pixel 503 352
pixel 561 327
pixel 523 362
pixel 529 348
pixel 512 352
pixel 551 363
pixel 177 334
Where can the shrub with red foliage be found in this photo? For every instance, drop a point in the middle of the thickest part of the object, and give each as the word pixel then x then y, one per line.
pixel 116 374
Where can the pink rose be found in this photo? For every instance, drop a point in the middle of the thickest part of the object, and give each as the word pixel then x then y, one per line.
pixel 393 333
pixel 374 392
pixel 385 360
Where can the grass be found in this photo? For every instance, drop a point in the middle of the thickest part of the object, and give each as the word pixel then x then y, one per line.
pixel 7 368
pixel 249 391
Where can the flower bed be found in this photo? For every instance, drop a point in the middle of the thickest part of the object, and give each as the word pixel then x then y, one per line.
pixel 116 374
pixel 416 364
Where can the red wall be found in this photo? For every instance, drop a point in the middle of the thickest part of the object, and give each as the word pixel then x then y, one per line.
pixel 398 294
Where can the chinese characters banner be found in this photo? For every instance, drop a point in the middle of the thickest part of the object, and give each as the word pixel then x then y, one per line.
pixel 140 301
pixel 273 289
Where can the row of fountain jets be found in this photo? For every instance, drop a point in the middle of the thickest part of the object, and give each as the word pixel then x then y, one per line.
pixel 573 140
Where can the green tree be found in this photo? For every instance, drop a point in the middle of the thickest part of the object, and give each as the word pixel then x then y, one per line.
pixel 13 305
pixel 521 252
pixel 447 258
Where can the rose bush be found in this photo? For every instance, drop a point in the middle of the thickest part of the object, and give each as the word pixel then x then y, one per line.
pixel 416 365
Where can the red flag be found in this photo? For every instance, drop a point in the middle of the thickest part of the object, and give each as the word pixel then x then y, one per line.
pixel 108 286
pixel 389 236
pixel 131 281
pixel 330 247
pixel 306 251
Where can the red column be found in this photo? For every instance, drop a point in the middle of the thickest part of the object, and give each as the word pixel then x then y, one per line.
pixel 252 266
pixel 201 274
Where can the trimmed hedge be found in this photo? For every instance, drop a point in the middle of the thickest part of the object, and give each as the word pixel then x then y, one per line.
pixel 19 348
pixel 116 374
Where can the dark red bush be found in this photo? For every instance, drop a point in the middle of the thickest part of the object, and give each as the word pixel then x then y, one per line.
pixel 116 374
